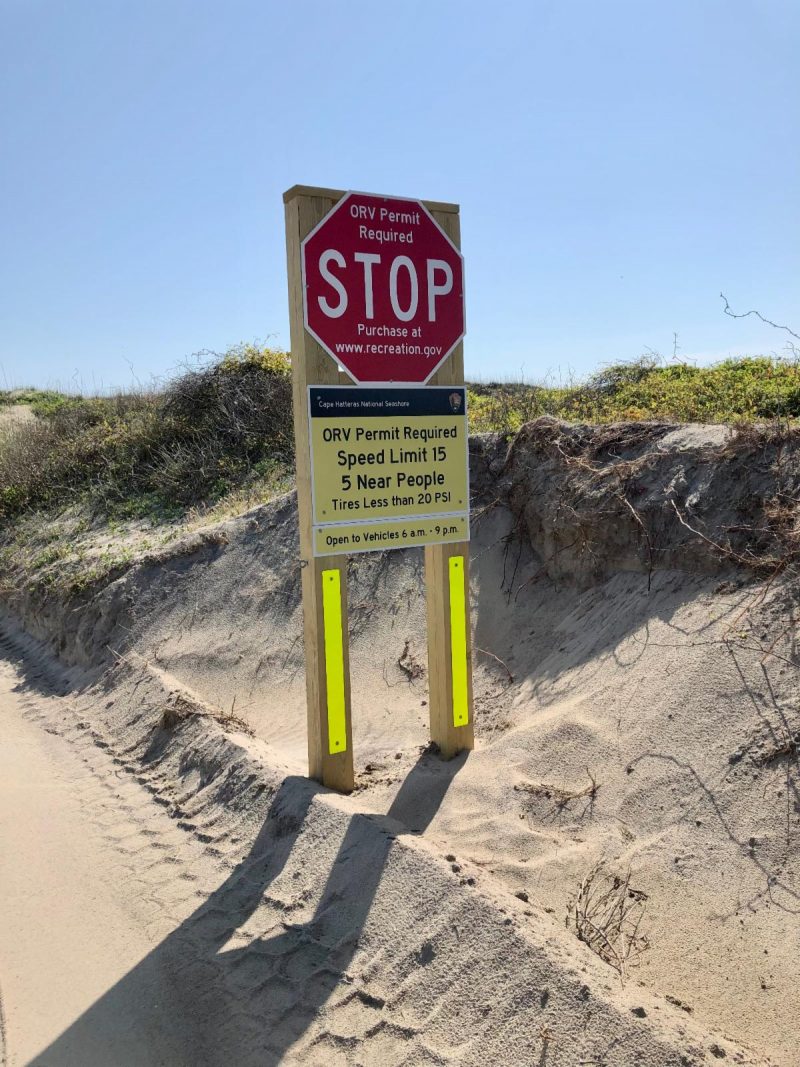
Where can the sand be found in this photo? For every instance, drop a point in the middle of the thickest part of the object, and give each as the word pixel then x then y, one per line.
pixel 426 918
pixel 84 855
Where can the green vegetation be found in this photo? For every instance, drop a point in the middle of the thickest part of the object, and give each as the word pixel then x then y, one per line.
pixel 209 432
pixel 40 401
pixel 88 485
pixel 757 389
pixel 222 433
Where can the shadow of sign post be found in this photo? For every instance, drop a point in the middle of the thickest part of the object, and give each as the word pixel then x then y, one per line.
pixel 249 1005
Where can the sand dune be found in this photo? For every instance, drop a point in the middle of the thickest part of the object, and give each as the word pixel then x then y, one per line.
pixel 635 715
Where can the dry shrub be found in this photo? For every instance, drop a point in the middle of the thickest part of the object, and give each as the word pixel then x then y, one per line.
pixel 559 798
pixel 27 453
pixel 182 708
pixel 214 428
pixel 607 916
pixel 229 414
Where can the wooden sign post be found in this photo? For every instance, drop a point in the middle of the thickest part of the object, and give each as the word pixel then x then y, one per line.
pixel 378 288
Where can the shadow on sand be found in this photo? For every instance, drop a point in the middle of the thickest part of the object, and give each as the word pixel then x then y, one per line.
pixel 191 1002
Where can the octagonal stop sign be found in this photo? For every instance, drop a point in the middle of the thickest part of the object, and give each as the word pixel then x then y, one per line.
pixel 383 289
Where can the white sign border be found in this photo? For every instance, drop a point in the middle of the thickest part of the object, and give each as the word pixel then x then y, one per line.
pixel 318 339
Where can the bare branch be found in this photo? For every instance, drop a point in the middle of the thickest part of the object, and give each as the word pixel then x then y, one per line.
pixel 722 549
pixel 497 659
pixel 607 916
pixel 758 315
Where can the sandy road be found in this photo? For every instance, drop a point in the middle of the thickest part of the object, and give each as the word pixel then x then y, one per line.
pixel 147 922
pixel 83 898
pixel 138 929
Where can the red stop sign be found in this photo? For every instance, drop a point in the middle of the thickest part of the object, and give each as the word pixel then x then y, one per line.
pixel 383 289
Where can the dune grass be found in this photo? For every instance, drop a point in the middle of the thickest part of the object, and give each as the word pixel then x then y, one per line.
pixel 225 427
pixel 753 389
pixel 207 432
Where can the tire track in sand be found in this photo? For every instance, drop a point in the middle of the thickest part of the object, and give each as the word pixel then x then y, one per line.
pixel 94 876
pixel 146 925
pixel 141 929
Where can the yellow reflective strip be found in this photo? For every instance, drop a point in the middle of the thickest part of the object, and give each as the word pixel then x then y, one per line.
pixel 334 660
pixel 458 641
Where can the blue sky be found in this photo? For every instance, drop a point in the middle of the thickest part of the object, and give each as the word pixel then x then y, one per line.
pixel 617 166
